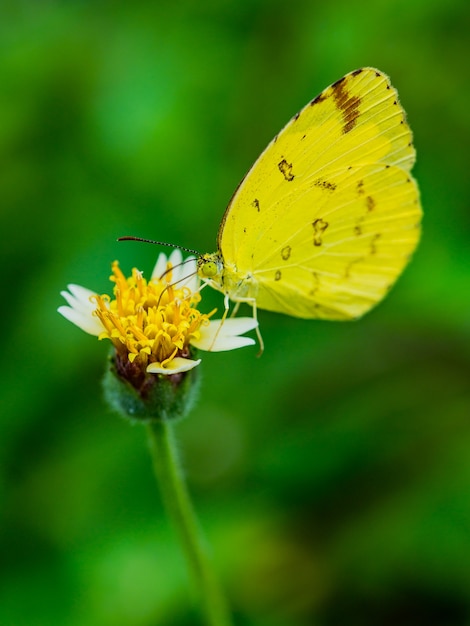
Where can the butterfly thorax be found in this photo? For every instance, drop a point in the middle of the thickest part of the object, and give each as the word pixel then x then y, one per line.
pixel 226 277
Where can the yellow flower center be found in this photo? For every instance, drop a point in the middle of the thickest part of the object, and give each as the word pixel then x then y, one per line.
pixel 149 321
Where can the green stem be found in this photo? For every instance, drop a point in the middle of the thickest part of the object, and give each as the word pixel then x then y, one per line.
pixel 179 508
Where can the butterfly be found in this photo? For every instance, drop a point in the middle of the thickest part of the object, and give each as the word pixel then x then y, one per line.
pixel 327 218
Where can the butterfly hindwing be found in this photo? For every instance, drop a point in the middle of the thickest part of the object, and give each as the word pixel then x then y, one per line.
pixel 344 259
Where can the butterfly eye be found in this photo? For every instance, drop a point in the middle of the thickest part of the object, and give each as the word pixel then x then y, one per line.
pixel 209 269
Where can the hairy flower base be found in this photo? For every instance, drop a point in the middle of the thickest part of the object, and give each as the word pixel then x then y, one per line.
pixel 143 397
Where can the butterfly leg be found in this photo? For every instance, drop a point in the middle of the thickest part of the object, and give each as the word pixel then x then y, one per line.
pixel 222 319
pixel 252 303
pixel 258 332
pixel 235 309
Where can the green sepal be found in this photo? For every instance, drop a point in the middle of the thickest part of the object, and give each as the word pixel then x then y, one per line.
pixel 150 397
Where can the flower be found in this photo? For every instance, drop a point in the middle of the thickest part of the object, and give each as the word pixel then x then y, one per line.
pixel 154 325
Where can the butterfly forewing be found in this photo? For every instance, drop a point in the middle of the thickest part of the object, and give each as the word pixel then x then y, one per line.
pixel 327 217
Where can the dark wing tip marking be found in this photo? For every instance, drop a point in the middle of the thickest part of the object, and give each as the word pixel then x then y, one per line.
pixel 347 104
pixel 318 99
pixel 338 82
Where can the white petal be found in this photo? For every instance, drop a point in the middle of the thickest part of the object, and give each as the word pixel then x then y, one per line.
pixel 219 336
pixel 89 323
pixel 238 325
pixel 175 258
pixel 80 309
pixel 175 366
pixel 184 273
pixel 222 344
pixel 160 268
pixel 160 265
pixel 79 297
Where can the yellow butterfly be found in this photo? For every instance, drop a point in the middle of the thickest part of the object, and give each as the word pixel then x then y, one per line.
pixel 326 219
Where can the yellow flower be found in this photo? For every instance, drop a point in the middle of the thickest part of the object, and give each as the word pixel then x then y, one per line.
pixel 154 325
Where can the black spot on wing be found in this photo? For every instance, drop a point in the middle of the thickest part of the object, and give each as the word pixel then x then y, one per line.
pixel 370 203
pixel 255 204
pixel 286 170
pixel 319 227
pixel 373 247
pixel 285 252
pixel 277 275
pixel 324 184
pixel 316 284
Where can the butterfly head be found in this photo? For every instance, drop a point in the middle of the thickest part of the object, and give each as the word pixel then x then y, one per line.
pixel 210 267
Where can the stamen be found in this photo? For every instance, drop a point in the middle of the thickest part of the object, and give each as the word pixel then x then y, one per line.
pixel 149 321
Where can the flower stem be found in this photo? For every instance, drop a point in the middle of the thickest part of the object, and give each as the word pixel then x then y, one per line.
pixel 179 508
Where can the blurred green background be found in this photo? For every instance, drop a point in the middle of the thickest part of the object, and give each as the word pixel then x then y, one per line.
pixel 332 475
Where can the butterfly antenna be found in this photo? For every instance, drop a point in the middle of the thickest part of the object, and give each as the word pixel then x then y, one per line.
pixel 176 281
pixel 170 269
pixel 159 243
